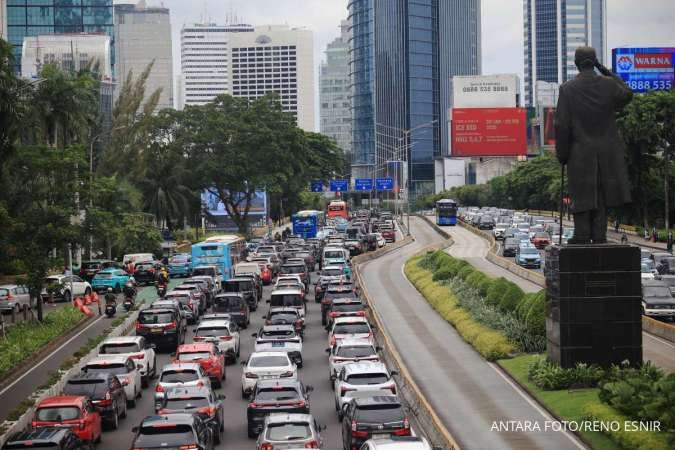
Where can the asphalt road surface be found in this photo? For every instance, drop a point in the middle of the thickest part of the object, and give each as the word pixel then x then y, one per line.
pixel 469 394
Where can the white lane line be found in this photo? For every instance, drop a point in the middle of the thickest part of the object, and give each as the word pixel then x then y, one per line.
pixel 39 363
pixel 535 405
pixel 658 339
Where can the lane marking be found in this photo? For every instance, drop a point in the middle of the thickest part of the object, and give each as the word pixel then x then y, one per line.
pixel 663 341
pixel 39 363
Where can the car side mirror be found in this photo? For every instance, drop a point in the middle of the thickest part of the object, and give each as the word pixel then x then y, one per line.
pixel 243 363
pixel 393 372
pixel 378 348
pixel 173 355
pixel 333 377
pixel 309 389
pixel 221 397
pixel 134 429
pixel 255 335
pixel 327 351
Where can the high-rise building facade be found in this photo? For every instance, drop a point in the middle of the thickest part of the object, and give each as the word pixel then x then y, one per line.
pixel 41 17
pixel 3 19
pixel 553 30
pixel 334 92
pixel 415 49
pixel 70 52
pixel 144 37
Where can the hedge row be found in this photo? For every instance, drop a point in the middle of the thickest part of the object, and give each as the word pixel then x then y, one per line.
pixel 491 344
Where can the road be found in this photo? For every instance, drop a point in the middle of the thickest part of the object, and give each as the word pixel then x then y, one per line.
pixel 473 248
pixel 469 394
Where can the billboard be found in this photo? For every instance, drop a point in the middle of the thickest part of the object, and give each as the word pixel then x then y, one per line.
pixel 645 69
pixel 339 185
pixel 449 173
pixel 215 207
pixel 363 184
pixel 384 184
pixel 485 91
pixel 316 186
pixel 489 132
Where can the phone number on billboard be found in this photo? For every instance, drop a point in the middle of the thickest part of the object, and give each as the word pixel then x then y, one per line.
pixel 652 85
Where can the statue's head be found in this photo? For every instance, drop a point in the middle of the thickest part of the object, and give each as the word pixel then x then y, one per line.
pixel 585 58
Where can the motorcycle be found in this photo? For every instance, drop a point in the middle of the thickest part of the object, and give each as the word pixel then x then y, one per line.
pixel 110 309
pixel 161 290
pixel 128 303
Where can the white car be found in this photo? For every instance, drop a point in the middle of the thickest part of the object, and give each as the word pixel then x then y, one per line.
pixel 362 377
pixel 223 333
pixel 349 328
pixel 499 230
pixel 79 287
pixel 348 351
pixel 179 374
pixel 289 277
pixel 124 369
pixel 280 338
pixel 136 348
pixel 381 241
pixel 389 443
pixel 266 366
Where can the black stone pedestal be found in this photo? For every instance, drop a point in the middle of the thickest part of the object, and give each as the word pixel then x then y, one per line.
pixel 593 304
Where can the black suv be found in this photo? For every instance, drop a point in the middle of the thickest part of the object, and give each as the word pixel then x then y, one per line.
pixel 233 303
pixel 54 438
pixel 246 287
pixel 105 391
pixel 179 430
pixel 161 326
pixel 201 400
pixel 146 272
pixel 363 417
pixel 275 396
pixel 334 292
pixel 510 246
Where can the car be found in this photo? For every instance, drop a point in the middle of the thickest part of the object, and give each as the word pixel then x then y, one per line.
pixel 510 247
pixel 135 258
pixel 266 366
pixel 373 417
pixel 355 246
pixel 234 304
pixel 346 307
pixel 246 287
pixel 308 258
pixel 335 290
pixel 257 282
pixel 381 241
pixel 177 431
pixel 397 443
pixel 362 376
pixel 294 430
pixel 486 223
pixel 499 230
pixel 541 239
pixel 180 265
pixel 145 272
pixel 367 393
pixel 14 297
pixel 285 316
pixel 298 268
pixel 349 351
pixel 90 268
pixel 275 396
pixel 110 278
pixel 104 390
pixel 528 256
pixel 326 275
pixel 666 266
pixel 223 333
pixel 53 438
pixel 200 400
pixel 204 287
pixel 266 268
pixel 669 280
pixel 334 255
pixel 198 305
pixel 210 282
pixel 60 286
pixel 161 325
pixel 290 298
pixel 207 355
pixel 136 348
pixel 73 411
pixel 124 368
pixel 388 232
pixel 183 312
pixel 657 300
pixel 647 270
pixel 180 374
pixel 280 338
pixel 187 299
pixel 211 271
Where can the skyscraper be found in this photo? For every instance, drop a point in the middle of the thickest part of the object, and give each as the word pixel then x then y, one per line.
pixel 334 92
pixel 40 17
pixel 554 29
pixel 405 52
pixel 136 24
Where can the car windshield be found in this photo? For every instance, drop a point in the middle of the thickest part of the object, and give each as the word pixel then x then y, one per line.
pixel 359 351
pixel 144 266
pixel 268 361
pixel 238 286
pixel 332 272
pixel 276 394
pixel 191 356
pixel 212 331
pixel 284 318
pixel 228 303
pixel 541 235
pixel 203 271
pixel 529 251
pixel 349 307
pixel 384 413
pixel 645 268
pixel 115 369
pixel 93 388
pixel 91 265
pixel 333 254
pixel 178 260
pixel 292 269
pixel 183 299
pixel 340 294
pixel 4 292
pixel 362 379
pixel 351 328
pixel 122 347
pixel 57 414
pixel 277 334
pixel 288 431
pixel 164 435
pixel 286 300
pixel 149 318
pixel 52 280
pixel 179 376
pixel 186 403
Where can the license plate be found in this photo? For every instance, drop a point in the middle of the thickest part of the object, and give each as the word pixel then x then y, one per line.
pixel 156 330
pixel 380 435
pixel 277 344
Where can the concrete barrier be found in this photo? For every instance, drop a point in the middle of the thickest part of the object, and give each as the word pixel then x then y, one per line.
pixel 657 328
pixel 368 256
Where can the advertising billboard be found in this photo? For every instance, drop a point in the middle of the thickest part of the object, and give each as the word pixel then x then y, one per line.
pixel 485 91
pixel 645 69
pixel 489 132
pixel 216 208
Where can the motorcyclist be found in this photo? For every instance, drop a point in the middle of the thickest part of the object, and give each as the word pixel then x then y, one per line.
pixel 130 289
pixel 110 297
pixel 163 276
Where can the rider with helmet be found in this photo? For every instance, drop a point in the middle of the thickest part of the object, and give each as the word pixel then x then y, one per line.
pixel 129 288
pixel 110 297
pixel 163 276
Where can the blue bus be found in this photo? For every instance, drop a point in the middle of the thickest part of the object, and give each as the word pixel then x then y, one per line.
pixel 446 212
pixel 223 251
pixel 307 223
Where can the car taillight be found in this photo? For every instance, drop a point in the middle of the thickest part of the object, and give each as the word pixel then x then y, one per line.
pixel 137 356
pixel 225 338
pixel 210 410
pixel 312 444
pixel 188 447
pixel 139 326
pixel 333 314
pixel 198 338
pixel 287 374
pixel 124 380
pixel 344 390
pixel 171 326
pixel 253 405
pixel 393 388
pixel 159 388
pixel 267 446
pixel 300 404
pixel 332 341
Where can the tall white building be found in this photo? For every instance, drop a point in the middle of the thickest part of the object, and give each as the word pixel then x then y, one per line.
pixel 3 19
pixel 143 35
pixel 68 51
pixel 249 62
pixel 335 91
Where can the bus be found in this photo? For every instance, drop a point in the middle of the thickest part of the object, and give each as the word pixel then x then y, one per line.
pixel 223 251
pixel 307 223
pixel 337 208
pixel 446 212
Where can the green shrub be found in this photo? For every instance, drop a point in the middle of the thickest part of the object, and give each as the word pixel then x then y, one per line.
pixel 535 318
pixel 551 377
pixel 479 281
pixel 464 272
pixel 496 291
pixel 512 295
pixel 523 305
pixel 444 273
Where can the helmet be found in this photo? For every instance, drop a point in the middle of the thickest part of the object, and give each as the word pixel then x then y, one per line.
pixel 109 289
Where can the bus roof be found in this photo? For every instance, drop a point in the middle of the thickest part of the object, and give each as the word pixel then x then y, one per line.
pixel 446 200
pixel 336 202
pixel 308 212
pixel 223 238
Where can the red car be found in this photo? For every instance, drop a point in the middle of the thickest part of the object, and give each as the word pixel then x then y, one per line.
pixel 206 355
pixel 75 412
pixel 541 240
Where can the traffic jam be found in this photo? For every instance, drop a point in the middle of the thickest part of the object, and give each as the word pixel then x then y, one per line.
pixel 264 344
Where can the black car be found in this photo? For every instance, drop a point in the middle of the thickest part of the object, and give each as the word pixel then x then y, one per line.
pixel 669 280
pixel 246 287
pixel 486 223
pixel 146 272
pixel 53 438
pixel 105 392
pixel 334 292
pixel 90 268
pixel 161 326
pixel 325 277
pixel 178 430
pixel 666 266
pixel 234 304
pixel 275 396
pixel 364 417
pixel 196 399
pixel 510 247
pixel 285 316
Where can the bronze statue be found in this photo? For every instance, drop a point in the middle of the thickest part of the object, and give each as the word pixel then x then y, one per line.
pixel 588 142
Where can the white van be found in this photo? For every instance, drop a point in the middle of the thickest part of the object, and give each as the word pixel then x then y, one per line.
pixel 247 267
pixel 137 257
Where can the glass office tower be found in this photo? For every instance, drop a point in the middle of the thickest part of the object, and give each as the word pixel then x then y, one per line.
pixel 37 17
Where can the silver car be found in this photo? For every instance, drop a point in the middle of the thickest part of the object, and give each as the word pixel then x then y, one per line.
pixel 13 297
pixel 290 431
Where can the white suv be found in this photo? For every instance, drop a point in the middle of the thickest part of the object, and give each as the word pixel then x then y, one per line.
pixel 349 351
pixel 397 443
pixel 361 377
pixel 349 328
pixel 223 333
pixel 266 366
pixel 124 369
pixel 136 348
pixel 179 374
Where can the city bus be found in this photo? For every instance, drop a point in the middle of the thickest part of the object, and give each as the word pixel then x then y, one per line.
pixel 223 251
pixel 446 212
pixel 307 223
pixel 337 208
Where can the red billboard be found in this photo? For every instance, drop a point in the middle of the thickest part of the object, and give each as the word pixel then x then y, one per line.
pixel 489 131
